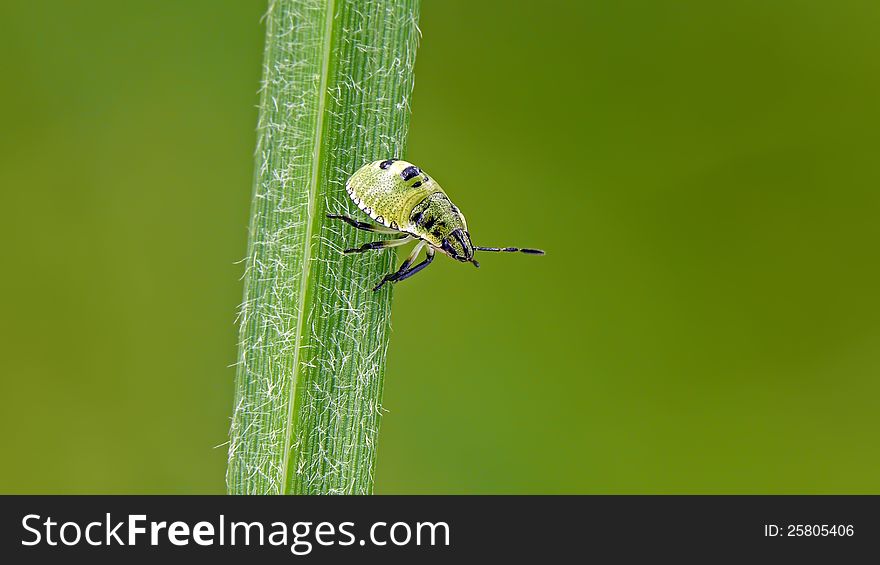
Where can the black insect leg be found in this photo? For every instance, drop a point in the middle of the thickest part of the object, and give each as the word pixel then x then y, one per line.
pixel 406 271
pixel 384 244
pixel 403 267
pixel 429 256
pixel 362 225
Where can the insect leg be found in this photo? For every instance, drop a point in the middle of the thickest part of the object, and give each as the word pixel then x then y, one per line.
pixel 403 266
pixel 404 272
pixel 362 225
pixel 428 258
pixel 384 244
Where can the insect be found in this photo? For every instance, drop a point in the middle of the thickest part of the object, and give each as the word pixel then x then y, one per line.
pixel 409 204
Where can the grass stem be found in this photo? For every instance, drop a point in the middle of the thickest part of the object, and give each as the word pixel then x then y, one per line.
pixel 337 81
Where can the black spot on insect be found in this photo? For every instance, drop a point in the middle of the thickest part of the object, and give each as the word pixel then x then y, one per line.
pixel 426 178
pixel 454 208
pixel 417 184
pixel 429 224
pixel 410 172
pixel 418 214
pixel 386 164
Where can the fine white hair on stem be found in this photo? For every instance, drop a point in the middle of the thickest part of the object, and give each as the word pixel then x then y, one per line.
pixel 313 337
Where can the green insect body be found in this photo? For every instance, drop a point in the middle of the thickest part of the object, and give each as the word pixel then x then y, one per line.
pixel 411 205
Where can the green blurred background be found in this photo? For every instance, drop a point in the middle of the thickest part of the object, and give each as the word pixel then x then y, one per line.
pixel 704 177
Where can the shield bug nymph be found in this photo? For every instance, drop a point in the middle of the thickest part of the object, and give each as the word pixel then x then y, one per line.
pixel 404 201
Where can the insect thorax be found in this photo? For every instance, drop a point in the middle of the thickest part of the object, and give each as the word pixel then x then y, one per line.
pixel 435 217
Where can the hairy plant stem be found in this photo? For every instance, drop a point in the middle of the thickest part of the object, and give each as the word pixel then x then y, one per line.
pixel 337 80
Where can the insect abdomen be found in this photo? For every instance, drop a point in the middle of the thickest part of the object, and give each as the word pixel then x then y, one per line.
pixel 388 190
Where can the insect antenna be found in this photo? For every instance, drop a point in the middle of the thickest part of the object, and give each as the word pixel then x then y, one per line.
pixel 510 250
